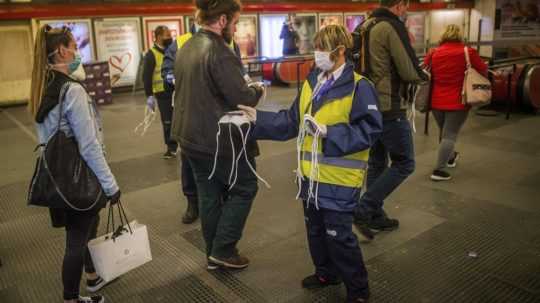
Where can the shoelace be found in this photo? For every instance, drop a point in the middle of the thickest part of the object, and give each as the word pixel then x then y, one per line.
pixel 233 176
pixel 149 117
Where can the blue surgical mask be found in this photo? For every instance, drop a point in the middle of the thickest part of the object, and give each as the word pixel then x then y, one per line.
pixel 74 65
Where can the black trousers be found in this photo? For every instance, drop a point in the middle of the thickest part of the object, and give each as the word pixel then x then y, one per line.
pixel 166 113
pixel 80 228
pixel 223 212
pixel 335 251
pixel 189 186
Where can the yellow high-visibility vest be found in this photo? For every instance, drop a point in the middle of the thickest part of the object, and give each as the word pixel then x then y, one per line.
pixel 157 80
pixel 346 171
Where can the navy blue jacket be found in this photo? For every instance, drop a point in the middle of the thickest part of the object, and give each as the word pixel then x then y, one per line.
pixel 364 127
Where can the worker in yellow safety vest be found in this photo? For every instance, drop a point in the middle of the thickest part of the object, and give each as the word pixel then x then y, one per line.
pixel 154 87
pixel 336 120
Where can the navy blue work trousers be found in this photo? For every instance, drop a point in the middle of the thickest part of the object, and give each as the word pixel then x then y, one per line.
pixel 335 251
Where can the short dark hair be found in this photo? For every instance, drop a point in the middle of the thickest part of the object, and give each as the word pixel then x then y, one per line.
pixel 160 30
pixel 209 11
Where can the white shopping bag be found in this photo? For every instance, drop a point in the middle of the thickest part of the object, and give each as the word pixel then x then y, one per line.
pixel 115 257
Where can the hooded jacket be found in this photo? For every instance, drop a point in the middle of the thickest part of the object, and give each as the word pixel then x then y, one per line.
pixel 391 61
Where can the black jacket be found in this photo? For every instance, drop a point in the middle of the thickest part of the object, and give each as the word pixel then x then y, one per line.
pixel 209 78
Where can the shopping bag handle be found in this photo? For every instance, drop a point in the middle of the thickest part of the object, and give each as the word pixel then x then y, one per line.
pixel 117 231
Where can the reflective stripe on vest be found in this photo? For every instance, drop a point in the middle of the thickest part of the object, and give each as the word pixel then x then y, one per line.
pixel 346 171
pixel 157 80
pixel 336 161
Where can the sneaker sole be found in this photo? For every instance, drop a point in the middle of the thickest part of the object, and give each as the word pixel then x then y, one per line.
pixel 439 178
pixel 384 228
pixel 95 288
pixel 452 165
pixel 228 265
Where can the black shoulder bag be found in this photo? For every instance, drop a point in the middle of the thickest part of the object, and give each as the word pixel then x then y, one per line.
pixel 62 179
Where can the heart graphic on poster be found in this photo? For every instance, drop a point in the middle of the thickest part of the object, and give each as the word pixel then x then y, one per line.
pixel 119 63
pixel 122 62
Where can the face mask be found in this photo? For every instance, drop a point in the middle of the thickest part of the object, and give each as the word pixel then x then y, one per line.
pixel 79 73
pixel 167 42
pixel 76 63
pixel 323 61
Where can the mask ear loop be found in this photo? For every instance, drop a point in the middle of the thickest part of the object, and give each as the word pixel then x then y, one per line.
pixel 149 117
pixel 216 153
pixel 233 166
pixel 244 141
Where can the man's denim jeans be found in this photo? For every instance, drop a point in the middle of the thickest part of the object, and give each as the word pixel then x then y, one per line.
pixel 395 144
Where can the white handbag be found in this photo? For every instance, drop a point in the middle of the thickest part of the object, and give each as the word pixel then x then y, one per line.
pixel 476 88
pixel 121 250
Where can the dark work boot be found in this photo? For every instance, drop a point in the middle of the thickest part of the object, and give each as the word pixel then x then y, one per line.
pixel 192 211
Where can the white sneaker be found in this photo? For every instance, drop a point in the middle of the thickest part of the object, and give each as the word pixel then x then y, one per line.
pixel 95 285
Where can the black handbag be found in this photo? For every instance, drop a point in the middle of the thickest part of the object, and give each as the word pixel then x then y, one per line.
pixel 62 179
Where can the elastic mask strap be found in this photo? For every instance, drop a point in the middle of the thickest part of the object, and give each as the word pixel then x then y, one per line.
pixel 299 154
pixel 244 142
pixel 216 154
pixel 233 164
pixel 149 117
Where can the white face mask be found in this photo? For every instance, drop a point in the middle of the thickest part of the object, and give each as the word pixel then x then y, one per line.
pixel 323 61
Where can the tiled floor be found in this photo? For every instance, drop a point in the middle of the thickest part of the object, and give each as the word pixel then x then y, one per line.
pixel 473 239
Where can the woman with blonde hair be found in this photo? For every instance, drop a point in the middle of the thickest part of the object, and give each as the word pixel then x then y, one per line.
pixel 336 120
pixel 59 102
pixel 448 65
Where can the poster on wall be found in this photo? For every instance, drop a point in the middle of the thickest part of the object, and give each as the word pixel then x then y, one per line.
pixel 174 23
pixel 271 44
pixel 306 28
pixel 118 42
pixel 416 25
pixel 82 32
pixel 517 19
pixel 330 19
pixel 353 20
pixel 246 35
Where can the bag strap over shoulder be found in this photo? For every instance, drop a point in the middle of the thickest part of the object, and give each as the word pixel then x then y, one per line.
pixel 467 59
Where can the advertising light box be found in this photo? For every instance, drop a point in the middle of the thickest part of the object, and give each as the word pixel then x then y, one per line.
pixel 82 32
pixel 271 44
pixel 118 42
pixel 353 20
pixel 330 19
pixel 306 27
pixel 246 35
pixel 174 23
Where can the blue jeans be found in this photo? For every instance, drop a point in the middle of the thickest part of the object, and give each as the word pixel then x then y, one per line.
pixel 396 145
pixel 335 251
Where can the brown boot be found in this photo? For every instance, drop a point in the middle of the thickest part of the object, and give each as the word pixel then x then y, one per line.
pixel 192 211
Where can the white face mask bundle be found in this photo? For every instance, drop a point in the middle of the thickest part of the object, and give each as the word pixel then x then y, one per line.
pixel 149 117
pixel 235 120
pixel 309 127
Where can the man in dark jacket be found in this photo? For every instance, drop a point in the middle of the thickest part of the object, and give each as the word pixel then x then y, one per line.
pixel 153 85
pixel 390 62
pixel 189 187
pixel 210 83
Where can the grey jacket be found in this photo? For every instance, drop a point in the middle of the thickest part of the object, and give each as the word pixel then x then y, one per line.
pixel 209 81
pixel 392 66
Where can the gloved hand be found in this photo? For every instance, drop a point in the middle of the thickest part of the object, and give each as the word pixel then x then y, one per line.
pixel 115 198
pixel 312 126
pixel 249 112
pixel 151 103
pixel 169 78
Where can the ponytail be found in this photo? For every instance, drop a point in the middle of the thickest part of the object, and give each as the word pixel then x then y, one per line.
pixel 47 41
pixel 39 71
